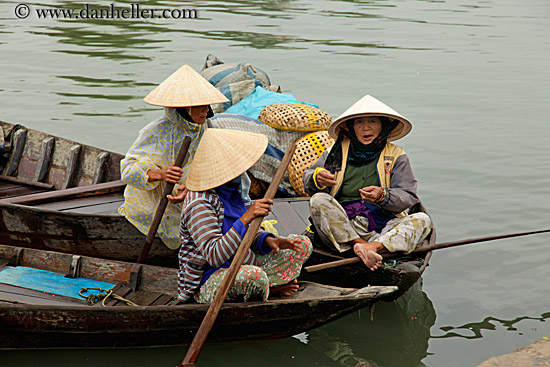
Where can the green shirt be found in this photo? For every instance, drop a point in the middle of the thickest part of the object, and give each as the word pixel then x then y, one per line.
pixel 356 178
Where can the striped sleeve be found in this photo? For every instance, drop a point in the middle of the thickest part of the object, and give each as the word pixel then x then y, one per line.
pixel 201 220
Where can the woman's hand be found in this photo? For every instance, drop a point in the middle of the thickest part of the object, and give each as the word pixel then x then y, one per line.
pixel 325 178
pixel 259 208
pixel 371 194
pixel 170 174
pixel 180 196
pixel 281 243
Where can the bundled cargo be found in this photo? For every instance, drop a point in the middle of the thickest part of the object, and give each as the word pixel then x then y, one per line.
pixel 234 80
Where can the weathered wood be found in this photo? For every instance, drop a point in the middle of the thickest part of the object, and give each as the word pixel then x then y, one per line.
pixel 14 294
pixel 72 166
pixel 74 268
pixel 66 194
pixel 87 204
pixel 19 141
pixel 102 160
pixel 54 321
pixel 163 203
pixel 24 181
pixel 3 143
pixel 42 168
pixel 214 309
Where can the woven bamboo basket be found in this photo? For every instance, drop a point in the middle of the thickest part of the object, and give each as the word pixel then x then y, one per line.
pixel 308 149
pixel 295 116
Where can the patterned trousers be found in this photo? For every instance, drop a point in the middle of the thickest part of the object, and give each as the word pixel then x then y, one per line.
pixel 253 282
pixel 334 227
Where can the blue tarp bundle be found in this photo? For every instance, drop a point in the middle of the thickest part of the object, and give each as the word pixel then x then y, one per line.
pixel 253 104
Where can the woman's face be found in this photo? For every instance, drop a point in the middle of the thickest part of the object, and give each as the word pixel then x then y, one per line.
pixel 367 128
pixel 198 114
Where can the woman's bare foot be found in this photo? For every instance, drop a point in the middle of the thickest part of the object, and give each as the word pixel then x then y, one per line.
pixel 367 251
pixel 284 289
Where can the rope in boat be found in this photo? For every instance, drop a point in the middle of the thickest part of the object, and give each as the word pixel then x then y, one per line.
pixel 103 294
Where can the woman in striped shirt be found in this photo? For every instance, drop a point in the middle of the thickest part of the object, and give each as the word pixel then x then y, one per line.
pixel 214 220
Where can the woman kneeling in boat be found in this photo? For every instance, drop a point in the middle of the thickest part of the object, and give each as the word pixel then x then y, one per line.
pixel 149 164
pixel 214 220
pixel 363 187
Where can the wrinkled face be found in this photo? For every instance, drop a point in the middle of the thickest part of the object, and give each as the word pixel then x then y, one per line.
pixel 367 128
pixel 198 113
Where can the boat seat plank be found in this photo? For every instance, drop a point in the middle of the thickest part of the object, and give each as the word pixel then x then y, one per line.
pixel 163 300
pixel 301 207
pixel 287 219
pixel 84 205
pixel 66 194
pixel 13 191
pixel 23 181
pixel 143 298
pixel 13 294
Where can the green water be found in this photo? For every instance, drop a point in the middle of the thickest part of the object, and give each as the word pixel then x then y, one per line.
pixel 472 76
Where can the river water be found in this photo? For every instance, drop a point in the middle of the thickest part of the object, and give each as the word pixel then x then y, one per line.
pixel 472 76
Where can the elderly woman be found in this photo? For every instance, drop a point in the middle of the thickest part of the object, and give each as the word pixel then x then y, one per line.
pixel 363 187
pixel 214 221
pixel 186 97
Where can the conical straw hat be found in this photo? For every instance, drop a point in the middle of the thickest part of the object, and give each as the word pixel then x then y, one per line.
pixel 370 106
pixel 222 155
pixel 185 88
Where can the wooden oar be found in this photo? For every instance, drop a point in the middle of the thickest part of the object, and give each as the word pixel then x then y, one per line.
pixel 352 260
pixel 163 203
pixel 217 302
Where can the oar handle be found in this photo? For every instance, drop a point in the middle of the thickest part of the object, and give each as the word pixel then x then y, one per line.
pixel 352 260
pixel 214 309
pixel 162 204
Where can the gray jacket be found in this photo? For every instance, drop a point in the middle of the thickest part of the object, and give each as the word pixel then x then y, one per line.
pixel 400 196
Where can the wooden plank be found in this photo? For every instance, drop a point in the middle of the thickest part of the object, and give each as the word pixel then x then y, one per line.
pixel 4 146
pixel 102 159
pixel 143 298
pixel 163 300
pixel 19 141
pixel 17 191
pixel 301 207
pixel 14 294
pixel 23 181
pixel 72 166
pixel 75 204
pixel 288 219
pixel 66 194
pixel 43 165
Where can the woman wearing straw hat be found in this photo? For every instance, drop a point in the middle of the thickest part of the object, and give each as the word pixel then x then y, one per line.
pixel 363 187
pixel 186 97
pixel 214 220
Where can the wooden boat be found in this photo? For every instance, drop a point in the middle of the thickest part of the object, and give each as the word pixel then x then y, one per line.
pixel 87 223
pixel 84 220
pixel 43 315
pixel 32 161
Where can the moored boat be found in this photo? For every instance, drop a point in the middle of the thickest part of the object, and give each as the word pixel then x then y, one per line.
pixel 84 220
pixel 47 314
pixel 32 161
pixel 88 224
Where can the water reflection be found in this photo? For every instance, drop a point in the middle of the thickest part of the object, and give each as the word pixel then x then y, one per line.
pixel 476 328
pixel 398 335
